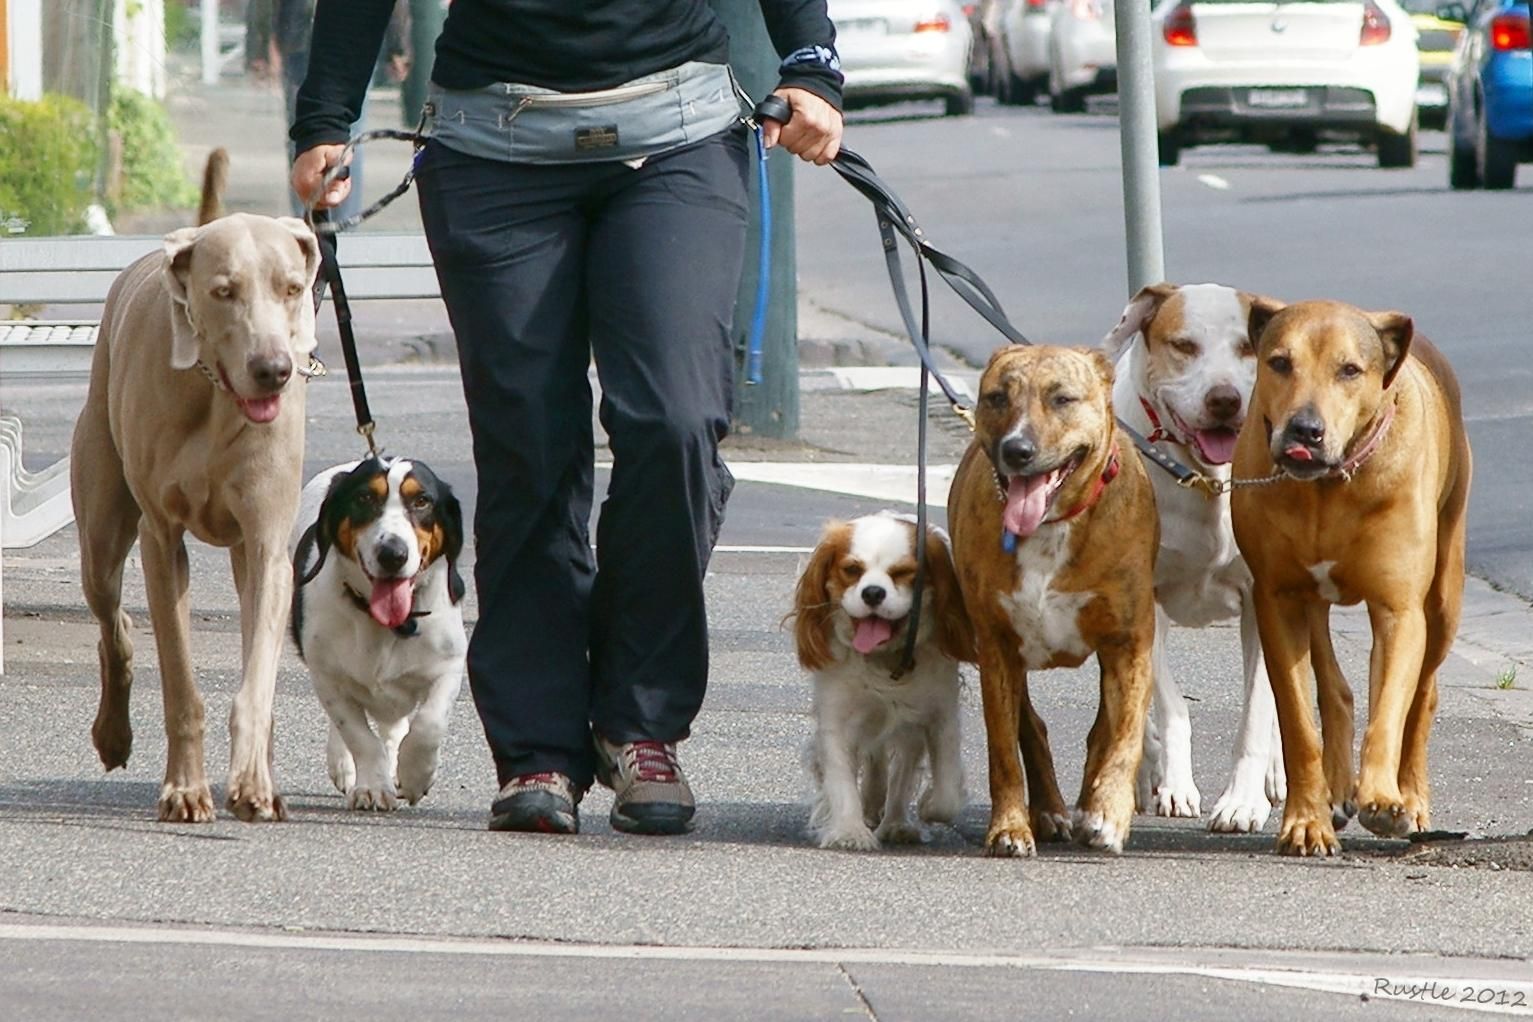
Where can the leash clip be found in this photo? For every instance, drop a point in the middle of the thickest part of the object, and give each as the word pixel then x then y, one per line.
pixel 314 368
pixel 966 414
pixel 1211 488
pixel 366 431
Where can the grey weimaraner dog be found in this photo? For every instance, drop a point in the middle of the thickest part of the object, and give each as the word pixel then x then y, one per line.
pixel 193 424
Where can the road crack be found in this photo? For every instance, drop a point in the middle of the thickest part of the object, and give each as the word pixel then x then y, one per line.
pixel 862 999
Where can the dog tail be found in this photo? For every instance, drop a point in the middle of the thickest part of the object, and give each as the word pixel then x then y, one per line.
pixel 215 177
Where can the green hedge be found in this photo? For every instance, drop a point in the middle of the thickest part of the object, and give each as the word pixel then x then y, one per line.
pixel 152 175
pixel 47 164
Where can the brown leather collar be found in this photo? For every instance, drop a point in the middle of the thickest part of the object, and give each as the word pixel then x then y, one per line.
pixel 1370 443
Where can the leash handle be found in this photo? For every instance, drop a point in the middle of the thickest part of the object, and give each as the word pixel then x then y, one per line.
pixel 756 339
pixel 330 276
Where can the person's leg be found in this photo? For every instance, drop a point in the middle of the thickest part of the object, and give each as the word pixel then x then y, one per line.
pixel 663 266
pixel 510 245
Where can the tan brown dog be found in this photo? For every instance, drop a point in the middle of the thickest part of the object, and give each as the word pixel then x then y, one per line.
pixel 1363 423
pixel 1054 537
pixel 191 425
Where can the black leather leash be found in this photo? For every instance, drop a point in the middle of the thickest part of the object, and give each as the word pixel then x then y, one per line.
pixel 330 276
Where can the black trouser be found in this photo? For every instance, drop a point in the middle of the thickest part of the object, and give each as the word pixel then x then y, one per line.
pixel 542 267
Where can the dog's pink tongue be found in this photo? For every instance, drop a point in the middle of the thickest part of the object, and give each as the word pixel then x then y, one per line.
pixel 261 409
pixel 390 602
pixel 871 633
pixel 1027 501
pixel 1217 445
pixel 1298 452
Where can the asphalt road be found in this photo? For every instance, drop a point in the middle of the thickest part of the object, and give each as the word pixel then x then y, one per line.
pixel 1033 201
pixel 104 911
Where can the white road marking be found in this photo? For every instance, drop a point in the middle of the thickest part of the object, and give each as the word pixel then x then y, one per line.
pixel 1102 960
pixel 1215 182
pixel 1000 132
pixel 726 549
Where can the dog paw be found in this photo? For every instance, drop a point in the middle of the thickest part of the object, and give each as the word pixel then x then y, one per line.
pixel 1094 830
pixel 899 832
pixel 415 778
pixel 1386 818
pixel 191 803
pixel 940 806
pixel 1010 843
pixel 253 803
pixel 1051 826
pixel 1342 813
pixel 1175 799
pixel 375 797
pixel 112 736
pixel 1239 812
pixel 850 838
pixel 1307 834
pixel 343 771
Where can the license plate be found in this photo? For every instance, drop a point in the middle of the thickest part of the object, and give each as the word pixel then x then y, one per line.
pixel 863 26
pixel 1278 99
pixel 1432 94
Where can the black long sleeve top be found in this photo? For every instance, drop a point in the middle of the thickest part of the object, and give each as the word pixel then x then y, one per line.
pixel 565 45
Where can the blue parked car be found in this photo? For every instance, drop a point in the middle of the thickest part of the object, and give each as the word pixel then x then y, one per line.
pixel 1490 94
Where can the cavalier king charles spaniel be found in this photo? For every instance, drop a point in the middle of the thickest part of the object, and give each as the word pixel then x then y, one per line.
pixel 851 616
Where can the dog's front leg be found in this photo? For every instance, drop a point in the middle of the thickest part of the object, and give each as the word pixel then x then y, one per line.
pixel 1002 684
pixel 837 821
pixel 1257 782
pixel 1285 636
pixel 420 752
pixel 1399 646
pixel 264 600
pixel 943 798
pixel 904 751
pixel 1045 805
pixel 1174 793
pixel 185 797
pixel 1114 745
pixel 1336 717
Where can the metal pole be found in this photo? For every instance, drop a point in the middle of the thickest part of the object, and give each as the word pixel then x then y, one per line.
pixel 426 19
pixel 1137 135
pixel 209 42
pixel 769 408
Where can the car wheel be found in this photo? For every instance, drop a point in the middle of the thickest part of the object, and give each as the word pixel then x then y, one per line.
pixel 1397 150
pixel 1463 170
pixel 1498 161
pixel 1068 101
pixel 960 104
pixel 1023 91
pixel 1170 148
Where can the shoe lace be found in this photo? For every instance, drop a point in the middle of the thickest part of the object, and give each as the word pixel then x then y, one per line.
pixel 539 779
pixel 653 761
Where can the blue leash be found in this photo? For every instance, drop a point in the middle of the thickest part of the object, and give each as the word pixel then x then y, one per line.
pixel 756 338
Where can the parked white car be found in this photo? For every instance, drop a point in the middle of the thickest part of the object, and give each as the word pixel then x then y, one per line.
pixel 1286 74
pixel 893 50
pixel 1025 27
pixel 1083 53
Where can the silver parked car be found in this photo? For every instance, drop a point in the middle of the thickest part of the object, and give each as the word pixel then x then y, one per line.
pixel 893 50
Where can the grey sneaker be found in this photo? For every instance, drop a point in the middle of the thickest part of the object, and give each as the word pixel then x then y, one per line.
pixel 545 803
pixel 652 794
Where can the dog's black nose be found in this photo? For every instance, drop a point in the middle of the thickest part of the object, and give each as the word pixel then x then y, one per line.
pixel 1222 402
pixel 874 595
pixel 270 372
pixel 1018 451
pixel 392 554
pixel 1306 428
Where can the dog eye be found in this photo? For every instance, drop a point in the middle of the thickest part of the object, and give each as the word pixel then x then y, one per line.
pixel 1186 347
pixel 223 291
pixel 1061 400
pixel 1280 364
pixel 1350 371
pixel 996 399
pixel 421 503
pixel 294 290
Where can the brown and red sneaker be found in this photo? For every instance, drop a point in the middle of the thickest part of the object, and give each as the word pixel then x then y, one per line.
pixel 545 803
pixel 652 793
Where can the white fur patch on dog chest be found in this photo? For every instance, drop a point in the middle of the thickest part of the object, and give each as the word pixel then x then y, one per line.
pixel 1045 619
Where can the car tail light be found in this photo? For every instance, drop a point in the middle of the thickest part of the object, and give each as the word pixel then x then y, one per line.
pixel 936 23
pixel 1037 5
pixel 1180 28
pixel 1375 25
pixel 968 10
pixel 1510 32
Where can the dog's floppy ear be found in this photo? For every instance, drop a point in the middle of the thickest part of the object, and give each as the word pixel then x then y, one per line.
pixel 1102 365
pixel 178 247
pixel 452 547
pixel 1137 314
pixel 1395 330
pixel 812 603
pixel 307 242
pixel 955 633
pixel 318 538
pixel 1262 311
